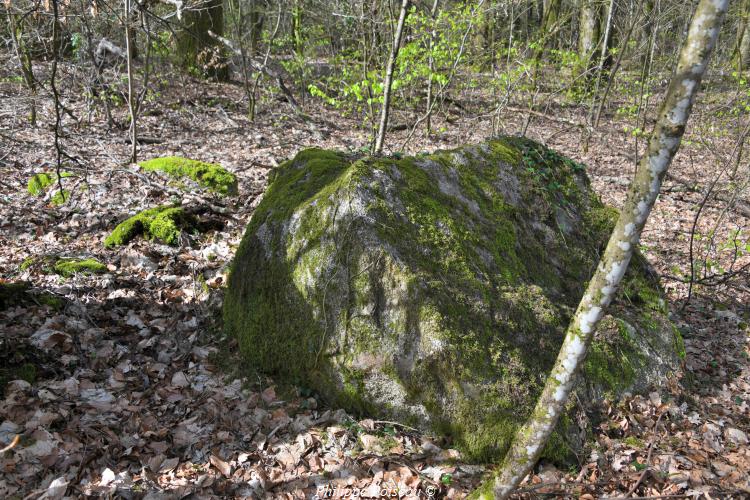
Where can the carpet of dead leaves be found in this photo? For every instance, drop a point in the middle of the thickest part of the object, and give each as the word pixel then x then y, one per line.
pixel 135 394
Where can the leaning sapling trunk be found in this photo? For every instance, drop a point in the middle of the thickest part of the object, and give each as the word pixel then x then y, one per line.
pixel 665 140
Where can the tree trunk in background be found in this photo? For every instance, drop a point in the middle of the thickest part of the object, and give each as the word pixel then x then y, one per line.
pixel 645 35
pixel 131 34
pixel 607 42
pixel 743 37
pixel 24 60
pixel 588 33
pixel 196 49
pixel 663 144
pixel 299 47
pixel 488 33
pixel 256 19
pixel 128 18
pixel 550 15
pixel 523 20
pixel 431 65
pixel 388 82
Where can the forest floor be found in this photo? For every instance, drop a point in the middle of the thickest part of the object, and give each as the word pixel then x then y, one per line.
pixel 130 394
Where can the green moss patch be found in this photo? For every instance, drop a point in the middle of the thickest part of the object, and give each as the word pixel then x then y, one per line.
pixel 60 197
pixel 38 183
pixel 69 267
pixel 209 175
pixel 164 223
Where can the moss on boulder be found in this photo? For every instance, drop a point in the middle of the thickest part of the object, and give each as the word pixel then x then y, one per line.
pixel 436 289
pixel 209 175
pixel 163 223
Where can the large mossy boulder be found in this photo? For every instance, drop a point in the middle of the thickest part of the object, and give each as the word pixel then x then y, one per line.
pixel 436 289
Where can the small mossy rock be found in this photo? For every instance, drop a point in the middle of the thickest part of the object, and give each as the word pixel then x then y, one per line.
pixel 436 290
pixel 19 294
pixel 209 175
pixel 13 293
pixel 163 223
pixel 68 267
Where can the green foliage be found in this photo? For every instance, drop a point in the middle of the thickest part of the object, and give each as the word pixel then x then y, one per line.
pixel 360 91
pixel 163 223
pixel 714 257
pixel 209 175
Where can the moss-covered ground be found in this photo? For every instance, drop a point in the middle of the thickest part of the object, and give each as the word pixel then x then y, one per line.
pixel 69 267
pixel 64 266
pixel 38 183
pixel 209 175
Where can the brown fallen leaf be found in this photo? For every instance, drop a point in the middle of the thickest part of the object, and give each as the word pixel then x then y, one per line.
pixel 221 466
pixel 169 465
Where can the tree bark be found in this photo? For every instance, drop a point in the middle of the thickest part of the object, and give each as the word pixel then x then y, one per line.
pixel 132 106
pixel 743 37
pixel 663 144
pixel 588 34
pixel 299 47
pixel 196 49
pixel 389 78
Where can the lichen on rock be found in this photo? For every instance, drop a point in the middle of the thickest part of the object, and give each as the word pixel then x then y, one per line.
pixel 163 223
pixel 209 175
pixel 436 289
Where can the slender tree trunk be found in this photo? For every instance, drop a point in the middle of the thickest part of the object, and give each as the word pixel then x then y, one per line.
pixel 431 64
pixel 613 72
pixel 664 142
pixel 489 33
pixel 56 97
pixel 24 59
pixel 131 94
pixel 389 78
pixel 648 26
